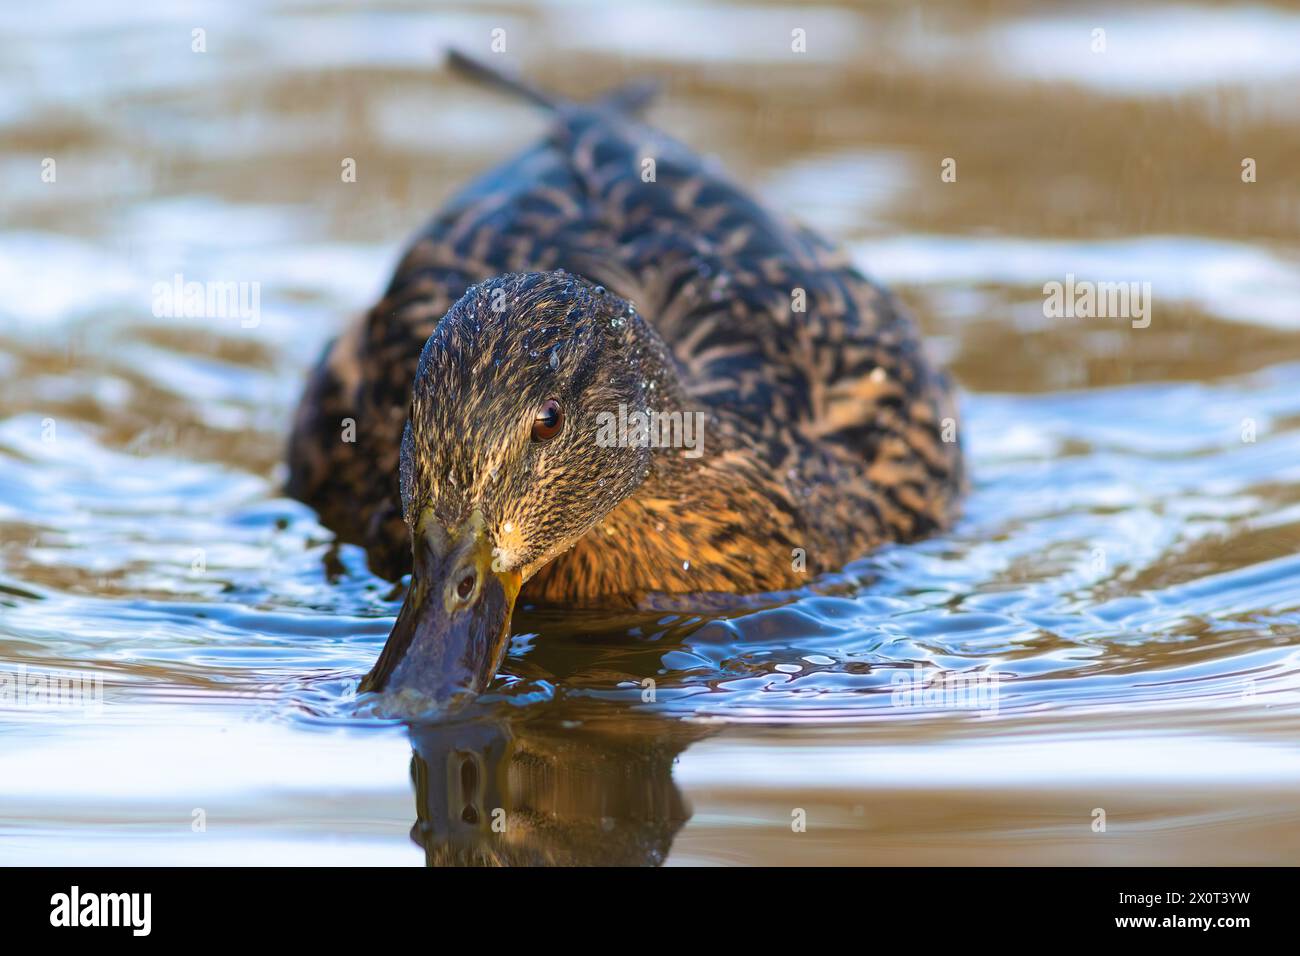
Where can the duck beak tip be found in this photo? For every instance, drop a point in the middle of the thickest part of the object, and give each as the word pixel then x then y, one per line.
pixel 454 626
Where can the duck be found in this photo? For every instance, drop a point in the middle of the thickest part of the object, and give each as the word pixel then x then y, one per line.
pixel 604 373
pixel 598 794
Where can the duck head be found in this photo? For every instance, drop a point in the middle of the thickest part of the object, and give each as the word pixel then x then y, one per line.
pixel 502 463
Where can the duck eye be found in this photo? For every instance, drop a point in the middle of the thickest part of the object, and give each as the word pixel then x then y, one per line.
pixel 549 421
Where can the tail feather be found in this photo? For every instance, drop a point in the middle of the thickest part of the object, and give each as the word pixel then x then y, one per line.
pixel 632 98
pixel 475 69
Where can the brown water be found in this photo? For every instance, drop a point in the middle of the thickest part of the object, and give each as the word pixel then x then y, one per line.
pixel 1112 627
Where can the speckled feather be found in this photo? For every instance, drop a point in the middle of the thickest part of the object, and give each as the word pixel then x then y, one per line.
pixel 826 427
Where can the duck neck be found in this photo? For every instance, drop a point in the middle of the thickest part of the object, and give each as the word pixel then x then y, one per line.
pixel 707 516
pixel 681 431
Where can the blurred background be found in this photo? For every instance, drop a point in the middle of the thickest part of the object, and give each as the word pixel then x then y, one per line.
pixel 1127 562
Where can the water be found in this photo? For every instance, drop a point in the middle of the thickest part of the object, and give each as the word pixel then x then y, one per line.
pixel 1112 627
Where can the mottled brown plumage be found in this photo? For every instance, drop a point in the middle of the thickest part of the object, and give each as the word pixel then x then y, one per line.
pixel 825 430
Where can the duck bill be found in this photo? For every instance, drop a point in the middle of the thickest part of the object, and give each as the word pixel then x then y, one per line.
pixel 449 640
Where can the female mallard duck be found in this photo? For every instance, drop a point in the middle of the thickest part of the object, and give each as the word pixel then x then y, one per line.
pixel 478 428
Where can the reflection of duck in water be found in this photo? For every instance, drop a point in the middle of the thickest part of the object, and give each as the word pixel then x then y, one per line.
pixel 493 794
pixel 509 337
